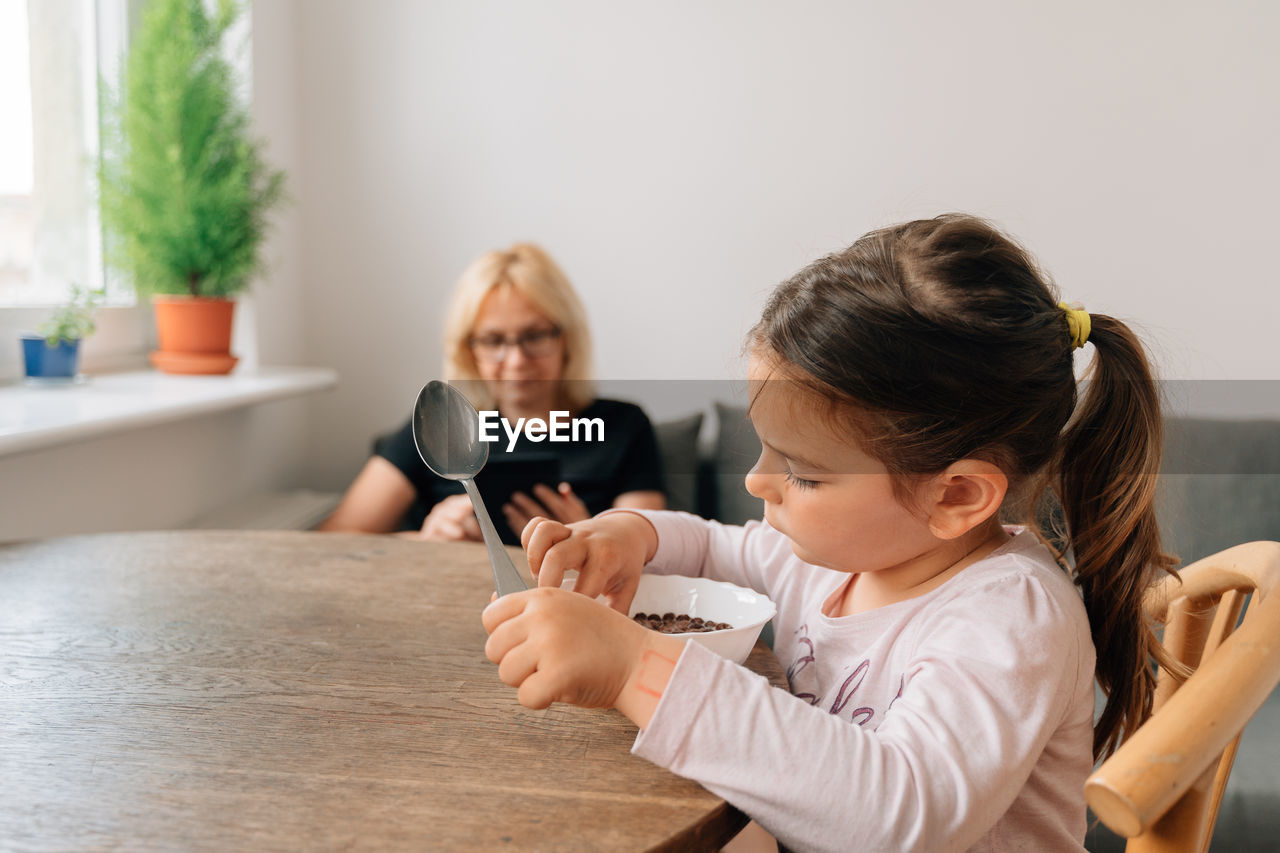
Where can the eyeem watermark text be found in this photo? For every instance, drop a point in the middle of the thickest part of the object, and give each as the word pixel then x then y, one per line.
pixel 559 427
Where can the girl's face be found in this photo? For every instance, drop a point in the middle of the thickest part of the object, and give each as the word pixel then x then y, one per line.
pixel 835 503
pixel 518 351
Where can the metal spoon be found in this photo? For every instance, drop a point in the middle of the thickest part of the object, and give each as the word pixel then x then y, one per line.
pixel 446 429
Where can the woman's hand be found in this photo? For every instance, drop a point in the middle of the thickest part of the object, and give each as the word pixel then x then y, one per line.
pixel 556 646
pixel 608 553
pixel 451 520
pixel 559 504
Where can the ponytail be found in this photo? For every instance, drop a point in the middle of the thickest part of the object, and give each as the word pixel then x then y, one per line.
pixel 1106 481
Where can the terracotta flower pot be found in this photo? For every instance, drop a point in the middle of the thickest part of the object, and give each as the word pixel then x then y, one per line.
pixel 194 334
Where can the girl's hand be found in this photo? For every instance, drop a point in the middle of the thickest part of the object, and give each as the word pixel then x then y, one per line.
pixel 556 646
pixel 608 553
pixel 452 519
pixel 560 504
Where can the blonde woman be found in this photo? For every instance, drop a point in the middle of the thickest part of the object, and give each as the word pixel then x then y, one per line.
pixel 516 340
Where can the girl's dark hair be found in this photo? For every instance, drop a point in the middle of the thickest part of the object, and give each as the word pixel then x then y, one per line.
pixel 946 342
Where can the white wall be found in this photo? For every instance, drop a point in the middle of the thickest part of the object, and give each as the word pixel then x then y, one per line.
pixel 682 158
pixel 155 478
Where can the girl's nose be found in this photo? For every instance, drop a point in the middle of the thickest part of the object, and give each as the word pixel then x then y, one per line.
pixel 763 486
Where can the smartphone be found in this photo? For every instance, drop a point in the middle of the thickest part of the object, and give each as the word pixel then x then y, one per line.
pixel 500 478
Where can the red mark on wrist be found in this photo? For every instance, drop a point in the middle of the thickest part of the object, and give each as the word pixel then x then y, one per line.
pixel 655 672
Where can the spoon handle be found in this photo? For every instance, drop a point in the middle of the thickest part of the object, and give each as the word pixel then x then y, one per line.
pixel 505 577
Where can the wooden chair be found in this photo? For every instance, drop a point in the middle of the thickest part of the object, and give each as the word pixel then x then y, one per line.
pixel 1163 787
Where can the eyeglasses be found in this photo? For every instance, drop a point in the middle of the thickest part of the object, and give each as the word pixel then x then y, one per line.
pixel 535 343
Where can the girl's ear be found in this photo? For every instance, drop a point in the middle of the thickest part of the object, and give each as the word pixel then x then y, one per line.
pixel 964 496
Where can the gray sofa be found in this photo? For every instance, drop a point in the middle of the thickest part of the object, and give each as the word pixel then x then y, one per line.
pixel 1220 486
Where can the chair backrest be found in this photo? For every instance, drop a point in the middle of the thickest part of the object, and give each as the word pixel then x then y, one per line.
pixel 1162 788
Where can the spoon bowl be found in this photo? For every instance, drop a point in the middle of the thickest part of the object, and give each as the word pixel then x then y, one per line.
pixel 446 431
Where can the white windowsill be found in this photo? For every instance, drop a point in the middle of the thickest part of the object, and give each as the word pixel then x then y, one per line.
pixel 36 417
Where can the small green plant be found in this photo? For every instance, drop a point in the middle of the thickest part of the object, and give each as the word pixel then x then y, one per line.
pixel 72 321
pixel 184 190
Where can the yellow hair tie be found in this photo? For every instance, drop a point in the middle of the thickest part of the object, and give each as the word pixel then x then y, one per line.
pixel 1078 323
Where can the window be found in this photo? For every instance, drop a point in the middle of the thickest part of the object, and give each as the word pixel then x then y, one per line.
pixel 16 169
pixel 48 95
pixel 52 55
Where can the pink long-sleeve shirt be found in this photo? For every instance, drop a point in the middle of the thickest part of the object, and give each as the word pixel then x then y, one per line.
pixel 958 720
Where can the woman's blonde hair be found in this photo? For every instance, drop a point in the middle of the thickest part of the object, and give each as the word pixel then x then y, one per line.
pixel 531 272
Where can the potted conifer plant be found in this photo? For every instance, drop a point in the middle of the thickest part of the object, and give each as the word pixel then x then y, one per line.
pixel 52 355
pixel 184 188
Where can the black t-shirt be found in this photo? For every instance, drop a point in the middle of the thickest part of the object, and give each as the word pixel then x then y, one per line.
pixel 626 460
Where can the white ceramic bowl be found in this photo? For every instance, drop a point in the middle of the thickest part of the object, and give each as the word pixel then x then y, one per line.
pixel 746 610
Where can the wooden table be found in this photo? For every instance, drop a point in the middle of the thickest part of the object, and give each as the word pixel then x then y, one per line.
pixel 280 690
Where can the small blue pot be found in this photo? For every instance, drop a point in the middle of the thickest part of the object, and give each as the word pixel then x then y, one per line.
pixel 50 363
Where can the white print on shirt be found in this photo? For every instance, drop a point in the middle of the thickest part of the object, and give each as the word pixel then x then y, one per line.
pixel 802 677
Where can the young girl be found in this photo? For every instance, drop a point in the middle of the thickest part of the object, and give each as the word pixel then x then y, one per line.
pixel 940 664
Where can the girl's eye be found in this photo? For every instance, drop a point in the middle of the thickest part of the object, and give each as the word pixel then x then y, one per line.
pixel 800 483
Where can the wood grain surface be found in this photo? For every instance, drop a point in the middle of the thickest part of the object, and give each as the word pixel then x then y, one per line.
pixel 288 690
